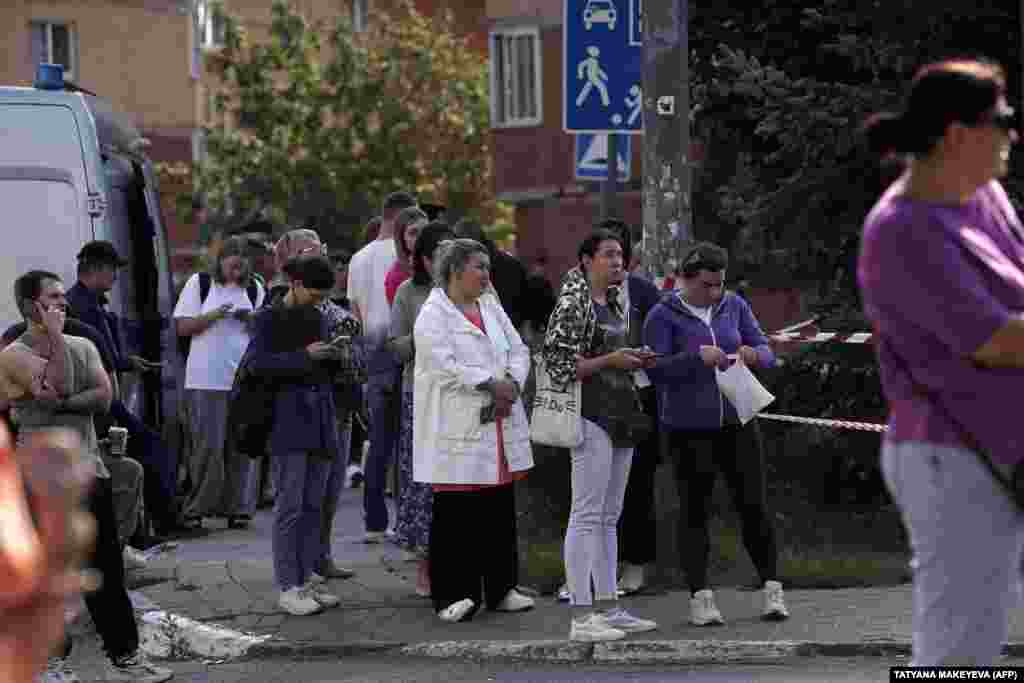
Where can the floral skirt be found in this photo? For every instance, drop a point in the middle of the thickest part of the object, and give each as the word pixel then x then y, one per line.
pixel 415 500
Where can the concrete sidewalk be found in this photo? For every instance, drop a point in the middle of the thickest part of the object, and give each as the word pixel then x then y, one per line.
pixel 223 601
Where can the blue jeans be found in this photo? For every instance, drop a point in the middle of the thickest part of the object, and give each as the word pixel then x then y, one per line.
pixel 335 483
pixel 301 481
pixel 383 396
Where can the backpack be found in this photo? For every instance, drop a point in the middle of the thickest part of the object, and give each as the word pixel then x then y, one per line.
pixel 205 282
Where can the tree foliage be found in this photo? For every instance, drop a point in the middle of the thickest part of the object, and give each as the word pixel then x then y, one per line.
pixel 321 122
pixel 781 89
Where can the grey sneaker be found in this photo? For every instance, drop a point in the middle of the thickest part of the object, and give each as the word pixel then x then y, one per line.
pixel 593 629
pixel 138 669
pixel 58 671
pixel 622 620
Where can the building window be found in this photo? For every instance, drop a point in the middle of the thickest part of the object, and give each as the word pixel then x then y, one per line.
pixel 54 42
pixel 210 23
pixel 516 77
pixel 360 15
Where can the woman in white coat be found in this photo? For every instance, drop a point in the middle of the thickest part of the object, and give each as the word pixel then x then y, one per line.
pixel 471 438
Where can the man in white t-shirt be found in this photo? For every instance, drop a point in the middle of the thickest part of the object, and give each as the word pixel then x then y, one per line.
pixel 218 326
pixel 366 273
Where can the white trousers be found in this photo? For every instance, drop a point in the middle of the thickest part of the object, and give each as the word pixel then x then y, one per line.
pixel 599 476
pixel 966 536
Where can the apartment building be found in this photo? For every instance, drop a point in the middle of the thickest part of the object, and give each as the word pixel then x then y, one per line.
pixel 147 58
pixel 534 158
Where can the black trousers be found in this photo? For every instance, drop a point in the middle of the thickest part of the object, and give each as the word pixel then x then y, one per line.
pixel 110 607
pixel 637 525
pixel 735 451
pixel 473 541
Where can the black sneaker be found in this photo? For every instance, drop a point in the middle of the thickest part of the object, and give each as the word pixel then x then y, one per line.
pixel 136 667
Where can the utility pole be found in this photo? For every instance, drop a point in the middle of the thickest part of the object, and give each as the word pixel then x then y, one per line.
pixel 667 220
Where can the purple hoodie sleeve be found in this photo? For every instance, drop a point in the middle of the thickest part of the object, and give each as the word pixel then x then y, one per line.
pixel 752 336
pixel 675 364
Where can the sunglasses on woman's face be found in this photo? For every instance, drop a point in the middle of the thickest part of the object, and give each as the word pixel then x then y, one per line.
pixel 1004 119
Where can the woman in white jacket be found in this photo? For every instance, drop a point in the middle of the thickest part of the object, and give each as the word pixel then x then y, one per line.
pixel 471 438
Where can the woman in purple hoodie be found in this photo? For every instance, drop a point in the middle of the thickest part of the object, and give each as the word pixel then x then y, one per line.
pixel 697 331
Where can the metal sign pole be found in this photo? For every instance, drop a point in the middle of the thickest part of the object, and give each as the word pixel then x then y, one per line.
pixel 611 185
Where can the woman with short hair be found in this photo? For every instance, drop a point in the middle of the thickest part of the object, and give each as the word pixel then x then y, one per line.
pixel 697 331
pixel 471 439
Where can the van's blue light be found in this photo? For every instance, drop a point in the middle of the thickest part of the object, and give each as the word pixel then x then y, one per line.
pixel 50 77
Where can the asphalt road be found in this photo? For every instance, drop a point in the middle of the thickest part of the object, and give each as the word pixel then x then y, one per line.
pixel 409 670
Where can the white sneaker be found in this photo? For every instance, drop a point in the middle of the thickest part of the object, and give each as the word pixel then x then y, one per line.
pixel 134 559
pixel 322 597
pixel 774 605
pixel 353 477
pixel 632 580
pixel 622 620
pixel 515 602
pixel 457 611
pixel 593 629
pixel 138 669
pixel 297 602
pixel 703 611
pixel 58 671
pixel 563 593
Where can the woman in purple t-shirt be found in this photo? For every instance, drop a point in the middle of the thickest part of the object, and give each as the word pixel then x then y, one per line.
pixel 942 274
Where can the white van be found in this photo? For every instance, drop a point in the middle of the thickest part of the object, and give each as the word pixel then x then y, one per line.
pixel 71 171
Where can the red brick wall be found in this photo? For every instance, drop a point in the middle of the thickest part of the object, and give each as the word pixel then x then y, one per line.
pixel 554 230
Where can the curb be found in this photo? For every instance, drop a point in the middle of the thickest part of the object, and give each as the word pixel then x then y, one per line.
pixel 271 649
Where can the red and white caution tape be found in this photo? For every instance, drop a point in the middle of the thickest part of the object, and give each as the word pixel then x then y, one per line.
pixel 799 333
pixel 821 337
pixel 820 422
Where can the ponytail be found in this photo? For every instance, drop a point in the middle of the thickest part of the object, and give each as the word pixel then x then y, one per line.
pixel 885 134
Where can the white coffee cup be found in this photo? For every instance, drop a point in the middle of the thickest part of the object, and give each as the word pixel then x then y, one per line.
pixel 118 437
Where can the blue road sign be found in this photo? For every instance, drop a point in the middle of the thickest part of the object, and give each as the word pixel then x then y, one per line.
pixel 602 76
pixel 592 157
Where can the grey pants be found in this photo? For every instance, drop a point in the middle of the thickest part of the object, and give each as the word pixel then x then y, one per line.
pixel 126 480
pixel 223 483
pixel 599 475
pixel 335 484
pixel 966 536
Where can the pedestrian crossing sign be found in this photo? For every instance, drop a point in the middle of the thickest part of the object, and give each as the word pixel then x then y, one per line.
pixel 592 157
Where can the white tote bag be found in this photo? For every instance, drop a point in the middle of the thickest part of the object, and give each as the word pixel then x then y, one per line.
pixel 555 420
pixel 746 394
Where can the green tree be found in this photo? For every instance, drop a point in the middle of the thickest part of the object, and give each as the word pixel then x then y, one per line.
pixel 780 89
pixel 323 122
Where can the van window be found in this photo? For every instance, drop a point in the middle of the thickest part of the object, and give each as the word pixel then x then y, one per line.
pixel 43 214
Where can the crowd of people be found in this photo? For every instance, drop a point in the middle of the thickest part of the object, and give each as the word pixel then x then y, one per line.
pixel 427 327
pixel 419 337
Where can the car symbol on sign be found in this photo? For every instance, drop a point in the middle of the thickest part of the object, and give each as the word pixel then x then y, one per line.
pixel 599 12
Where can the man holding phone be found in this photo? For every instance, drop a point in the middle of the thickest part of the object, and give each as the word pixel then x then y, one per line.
pixel 49 380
